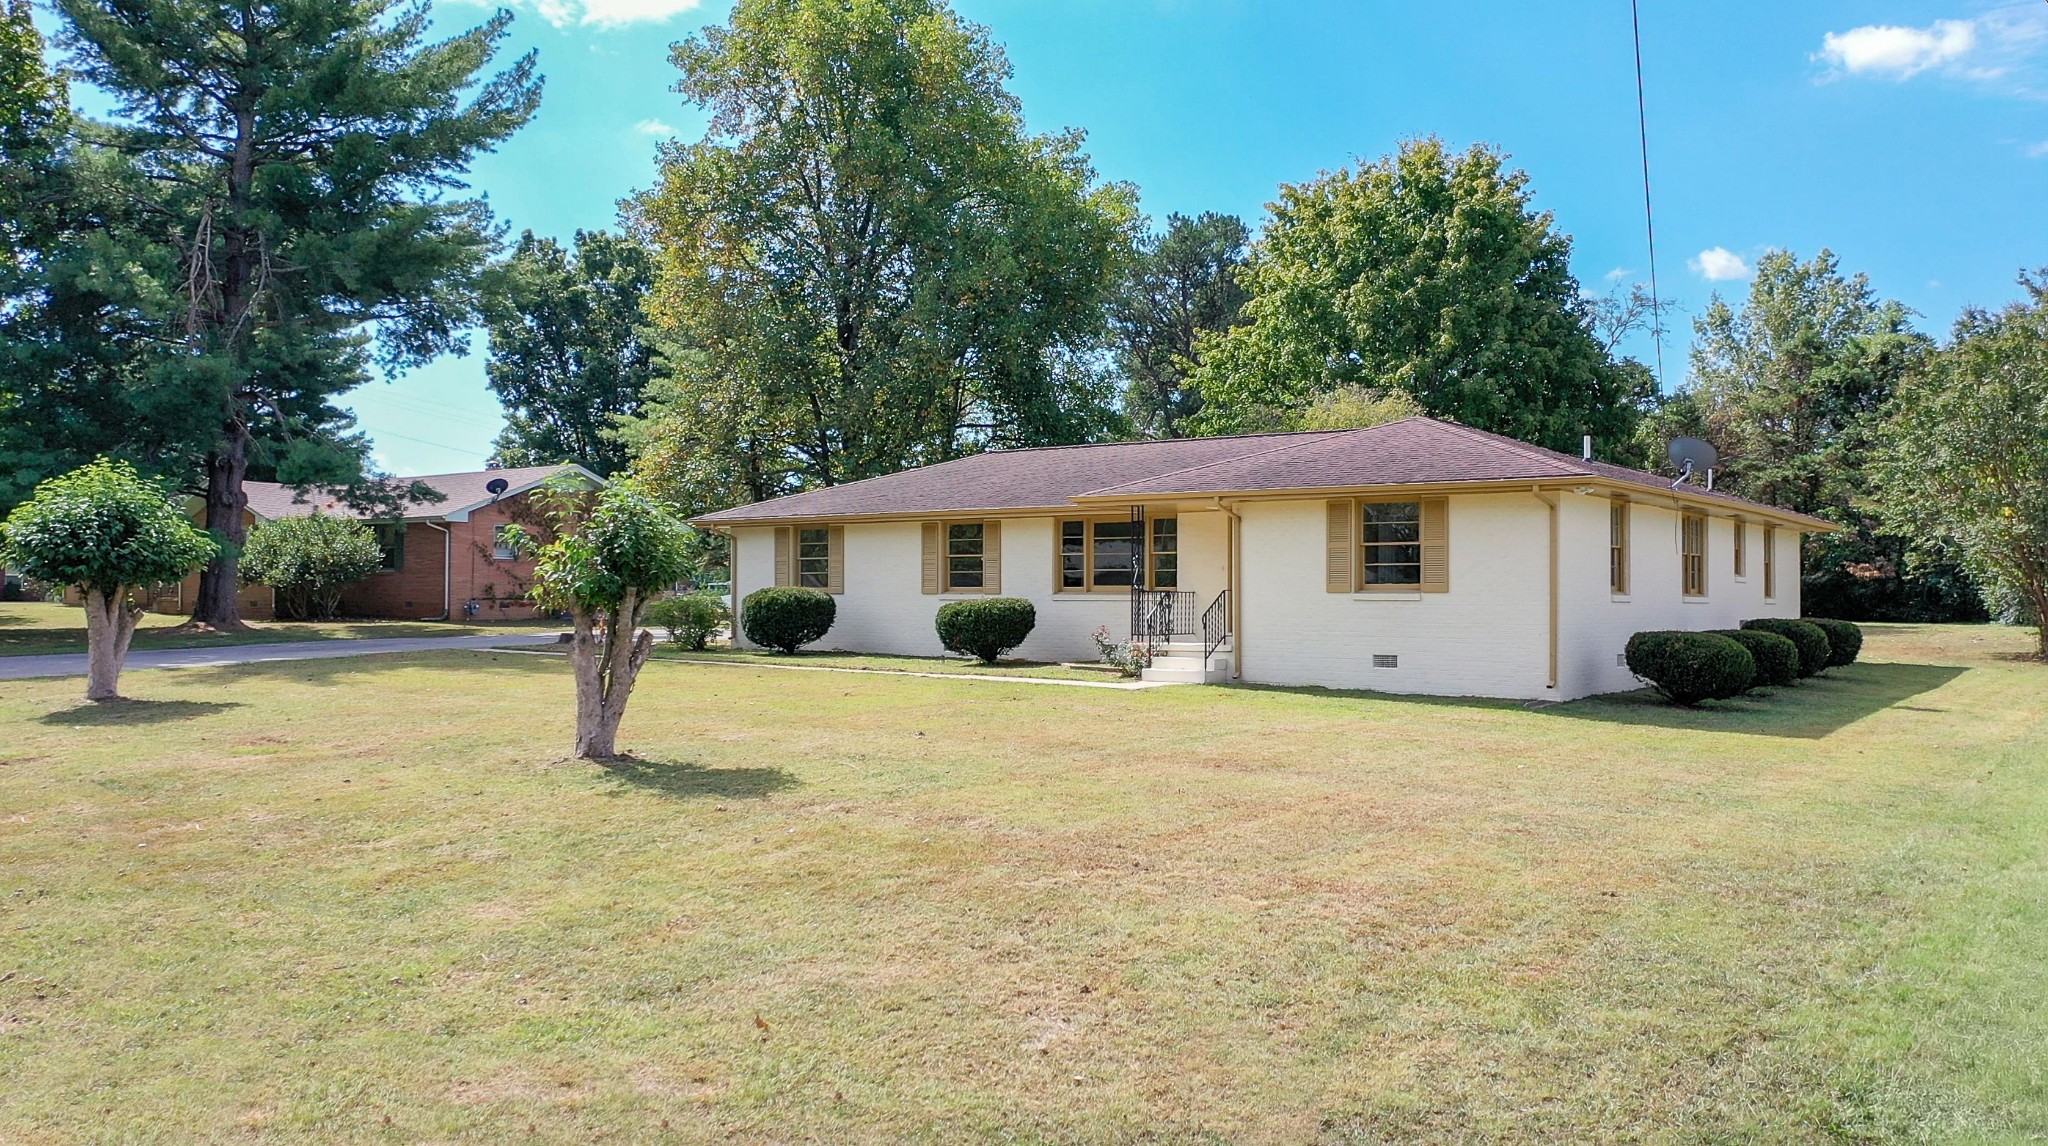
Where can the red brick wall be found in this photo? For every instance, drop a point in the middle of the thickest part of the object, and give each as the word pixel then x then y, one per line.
pixel 409 593
pixel 498 587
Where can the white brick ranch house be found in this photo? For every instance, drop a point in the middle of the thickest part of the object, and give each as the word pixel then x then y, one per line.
pixel 1416 557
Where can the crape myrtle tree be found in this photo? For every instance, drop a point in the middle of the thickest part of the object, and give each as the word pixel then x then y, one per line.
pixel 310 560
pixel 868 262
pixel 569 353
pixel 103 530
pixel 1963 462
pixel 298 160
pixel 613 552
pixel 1426 271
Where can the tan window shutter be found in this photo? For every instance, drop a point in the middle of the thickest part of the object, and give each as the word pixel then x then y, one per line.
pixel 1339 562
pixel 835 560
pixel 783 541
pixel 1436 545
pixel 934 534
pixel 992 557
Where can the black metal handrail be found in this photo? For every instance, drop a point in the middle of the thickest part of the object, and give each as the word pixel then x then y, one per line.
pixel 1161 614
pixel 1215 625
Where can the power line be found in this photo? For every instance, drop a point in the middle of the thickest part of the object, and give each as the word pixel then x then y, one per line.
pixel 1649 223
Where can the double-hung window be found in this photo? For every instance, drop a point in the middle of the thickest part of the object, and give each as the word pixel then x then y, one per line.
pixel 1741 548
pixel 391 545
pixel 1770 563
pixel 503 547
pixel 1109 554
pixel 1692 551
pixel 1390 544
pixel 1617 547
pixel 966 555
pixel 814 558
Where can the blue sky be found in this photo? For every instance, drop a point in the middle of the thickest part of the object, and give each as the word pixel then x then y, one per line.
pixel 1911 138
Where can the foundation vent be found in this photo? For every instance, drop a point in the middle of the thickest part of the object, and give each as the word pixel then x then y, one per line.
pixel 1385 661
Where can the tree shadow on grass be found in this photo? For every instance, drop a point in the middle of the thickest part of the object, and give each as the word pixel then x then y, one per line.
pixel 694 781
pixel 110 713
pixel 1809 710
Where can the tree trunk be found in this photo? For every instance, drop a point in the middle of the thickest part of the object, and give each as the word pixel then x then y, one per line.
pixel 604 678
pixel 109 626
pixel 217 605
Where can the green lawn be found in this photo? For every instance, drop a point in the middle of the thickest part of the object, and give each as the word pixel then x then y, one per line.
pixel 369 900
pixel 881 663
pixel 39 627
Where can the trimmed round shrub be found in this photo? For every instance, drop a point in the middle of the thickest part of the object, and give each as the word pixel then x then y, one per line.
pixel 986 629
pixel 1691 667
pixel 787 618
pixel 1814 648
pixel 1845 639
pixel 690 620
pixel 1776 657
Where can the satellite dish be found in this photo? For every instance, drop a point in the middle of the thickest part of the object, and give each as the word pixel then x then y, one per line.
pixel 1692 456
pixel 496 486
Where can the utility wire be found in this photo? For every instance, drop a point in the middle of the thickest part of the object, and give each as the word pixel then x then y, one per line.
pixel 1649 223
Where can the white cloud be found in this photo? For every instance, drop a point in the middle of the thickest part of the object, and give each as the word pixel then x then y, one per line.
pixel 603 13
pixel 2037 150
pixel 1719 264
pixel 1896 52
pixel 653 127
pixel 1616 275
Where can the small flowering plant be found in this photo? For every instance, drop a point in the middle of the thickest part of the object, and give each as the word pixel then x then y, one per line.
pixel 1128 658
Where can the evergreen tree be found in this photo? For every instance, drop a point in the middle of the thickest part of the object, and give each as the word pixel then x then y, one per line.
pixel 296 162
pixel 1183 285
pixel 1429 272
pixel 569 354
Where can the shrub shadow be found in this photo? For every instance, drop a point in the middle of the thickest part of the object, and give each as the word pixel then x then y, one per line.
pixel 1809 710
pixel 694 781
pixel 108 713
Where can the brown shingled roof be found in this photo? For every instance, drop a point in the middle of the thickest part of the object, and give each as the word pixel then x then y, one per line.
pixel 1412 451
pixel 270 500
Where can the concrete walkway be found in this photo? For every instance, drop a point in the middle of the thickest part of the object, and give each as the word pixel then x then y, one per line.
pixel 73 664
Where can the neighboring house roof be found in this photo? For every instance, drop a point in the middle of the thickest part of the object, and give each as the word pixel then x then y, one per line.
pixel 461 494
pixel 1412 451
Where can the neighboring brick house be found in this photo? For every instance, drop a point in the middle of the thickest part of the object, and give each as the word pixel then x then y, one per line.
pixel 443 560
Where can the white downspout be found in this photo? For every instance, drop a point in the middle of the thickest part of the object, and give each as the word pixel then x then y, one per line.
pixel 1551 502
pixel 1233 541
pixel 447 570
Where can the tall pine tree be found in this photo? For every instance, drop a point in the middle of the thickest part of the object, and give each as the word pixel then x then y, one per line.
pixel 298 160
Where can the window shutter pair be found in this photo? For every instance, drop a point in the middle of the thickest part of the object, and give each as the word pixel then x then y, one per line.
pixel 934 562
pixel 1341 542
pixel 835 558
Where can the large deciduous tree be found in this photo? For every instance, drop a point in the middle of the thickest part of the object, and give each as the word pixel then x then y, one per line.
pixel 612 554
pixel 871 261
pixel 569 357
pixel 1427 271
pixel 1182 285
pixel 103 530
pixel 298 160
pixel 1963 464
pixel 1791 388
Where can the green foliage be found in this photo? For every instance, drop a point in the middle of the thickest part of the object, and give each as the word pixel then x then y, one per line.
pixel 1355 408
pixel 102 527
pixel 293 168
pixel 1426 272
pixel 32 111
pixel 1963 463
pixel 889 270
pixel 986 629
pixel 690 620
pixel 1691 667
pixel 787 618
pixel 1182 286
pixel 1776 657
pixel 1815 650
pixel 568 358
pixel 608 546
pixel 1845 639
pixel 309 561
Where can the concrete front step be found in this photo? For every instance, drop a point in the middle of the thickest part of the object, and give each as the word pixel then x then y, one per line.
pixel 1188 668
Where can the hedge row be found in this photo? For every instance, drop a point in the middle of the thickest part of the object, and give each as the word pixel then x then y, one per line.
pixel 1689 667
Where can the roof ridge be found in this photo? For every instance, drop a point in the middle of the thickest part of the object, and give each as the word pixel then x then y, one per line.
pixel 1543 453
pixel 1241 458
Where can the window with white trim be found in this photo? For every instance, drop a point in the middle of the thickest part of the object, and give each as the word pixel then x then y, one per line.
pixel 1390 544
pixel 966 551
pixel 814 558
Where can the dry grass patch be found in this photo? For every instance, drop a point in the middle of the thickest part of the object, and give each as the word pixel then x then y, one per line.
pixel 40 627
pixel 373 903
